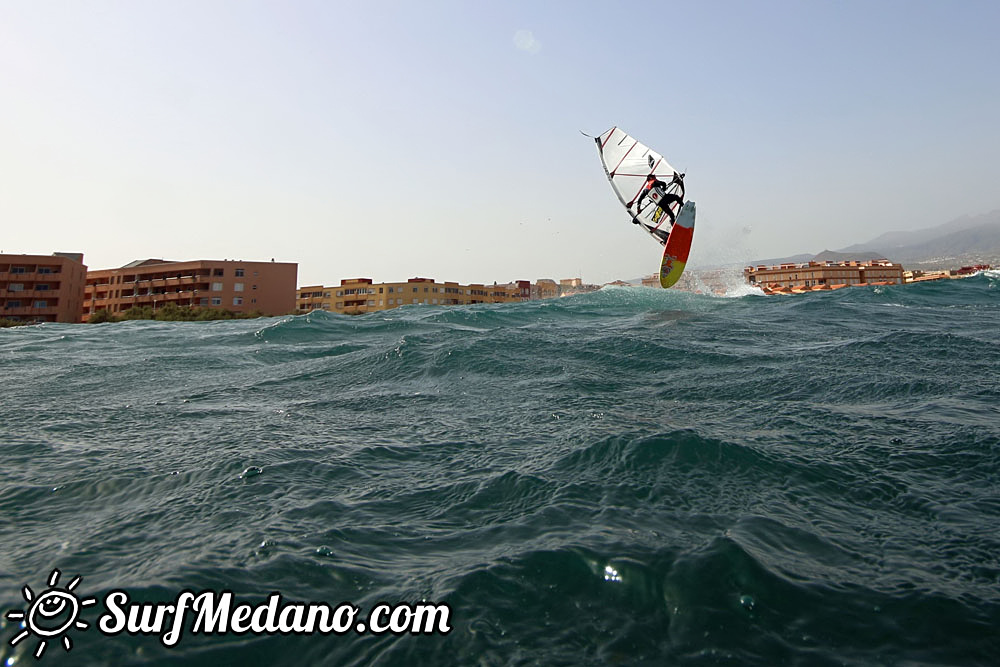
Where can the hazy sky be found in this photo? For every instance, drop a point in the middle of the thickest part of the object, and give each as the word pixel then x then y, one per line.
pixel 398 139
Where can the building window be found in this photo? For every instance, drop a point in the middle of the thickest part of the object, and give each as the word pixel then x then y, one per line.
pixel 216 287
pixel 239 273
pixel 255 301
pixel 255 287
pixel 41 286
pixel 16 287
pixel 203 301
pixel 237 301
pixel 45 269
pixel 216 301
pixel 238 287
pixel 41 304
pixel 14 303
pixel 17 269
pixel 217 272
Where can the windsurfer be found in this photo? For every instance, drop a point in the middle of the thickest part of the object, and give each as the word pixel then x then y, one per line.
pixel 657 207
pixel 667 196
pixel 675 196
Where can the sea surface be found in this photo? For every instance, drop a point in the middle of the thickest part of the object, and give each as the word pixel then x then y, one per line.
pixel 627 477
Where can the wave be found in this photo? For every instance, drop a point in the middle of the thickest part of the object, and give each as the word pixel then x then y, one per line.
pixel 630 476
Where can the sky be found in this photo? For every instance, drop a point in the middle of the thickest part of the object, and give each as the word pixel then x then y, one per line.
pixel 439 139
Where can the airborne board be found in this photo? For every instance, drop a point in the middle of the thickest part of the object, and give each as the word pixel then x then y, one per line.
pixel 633 169
pixel 675 252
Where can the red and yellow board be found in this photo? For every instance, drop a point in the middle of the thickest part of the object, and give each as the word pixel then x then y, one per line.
pixel 675 252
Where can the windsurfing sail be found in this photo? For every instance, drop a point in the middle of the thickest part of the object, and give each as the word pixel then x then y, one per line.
pixel 629 166
pixel 652 192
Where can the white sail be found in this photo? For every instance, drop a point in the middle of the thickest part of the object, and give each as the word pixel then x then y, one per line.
pixel 628 164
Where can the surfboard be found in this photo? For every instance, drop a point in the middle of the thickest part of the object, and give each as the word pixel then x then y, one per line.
pixel 675 252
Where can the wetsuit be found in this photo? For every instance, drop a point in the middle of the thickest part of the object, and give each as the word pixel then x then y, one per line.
pixel 666 198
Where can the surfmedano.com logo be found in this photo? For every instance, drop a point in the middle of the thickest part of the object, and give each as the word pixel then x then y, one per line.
pixel 50 616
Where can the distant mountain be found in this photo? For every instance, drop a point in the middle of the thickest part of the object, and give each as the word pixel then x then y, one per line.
pixel 825 256
pixel 844 256
pixel 965 240
pixel 794 259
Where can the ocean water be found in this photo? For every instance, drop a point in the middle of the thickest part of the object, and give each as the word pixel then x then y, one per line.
pixel 628 477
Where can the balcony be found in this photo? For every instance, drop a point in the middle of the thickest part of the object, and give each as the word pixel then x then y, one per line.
pixel 24 277
pixel 29 310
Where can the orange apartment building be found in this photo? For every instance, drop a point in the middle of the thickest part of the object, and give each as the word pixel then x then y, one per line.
pixel 238 286
pixel 356 296
pixel 823 275
pixel 42 288
pixel 545 288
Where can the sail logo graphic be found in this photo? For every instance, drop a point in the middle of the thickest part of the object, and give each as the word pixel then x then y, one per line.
pixel 51 614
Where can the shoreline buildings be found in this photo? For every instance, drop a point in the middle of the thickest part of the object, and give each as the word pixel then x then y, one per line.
pixel 237 286
pixel 823 275
pixel 919 276
pixel 42 288
pixel 355 296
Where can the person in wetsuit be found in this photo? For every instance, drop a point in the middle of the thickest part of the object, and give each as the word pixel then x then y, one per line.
pixel 667 199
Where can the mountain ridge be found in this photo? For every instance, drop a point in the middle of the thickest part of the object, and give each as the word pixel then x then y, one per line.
pixel 969 239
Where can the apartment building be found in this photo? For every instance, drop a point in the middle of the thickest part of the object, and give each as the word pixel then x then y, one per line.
pixel 544 288
pixel 355 296
pixel 238 286
pixel 824 275
pixel 42 288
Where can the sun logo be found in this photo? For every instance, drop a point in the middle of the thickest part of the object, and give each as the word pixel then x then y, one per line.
pixel 50 614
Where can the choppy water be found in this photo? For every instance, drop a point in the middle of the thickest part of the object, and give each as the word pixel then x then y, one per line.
pixel 628 477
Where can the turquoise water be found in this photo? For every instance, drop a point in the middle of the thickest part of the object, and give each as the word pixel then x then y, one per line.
pixel 629 477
